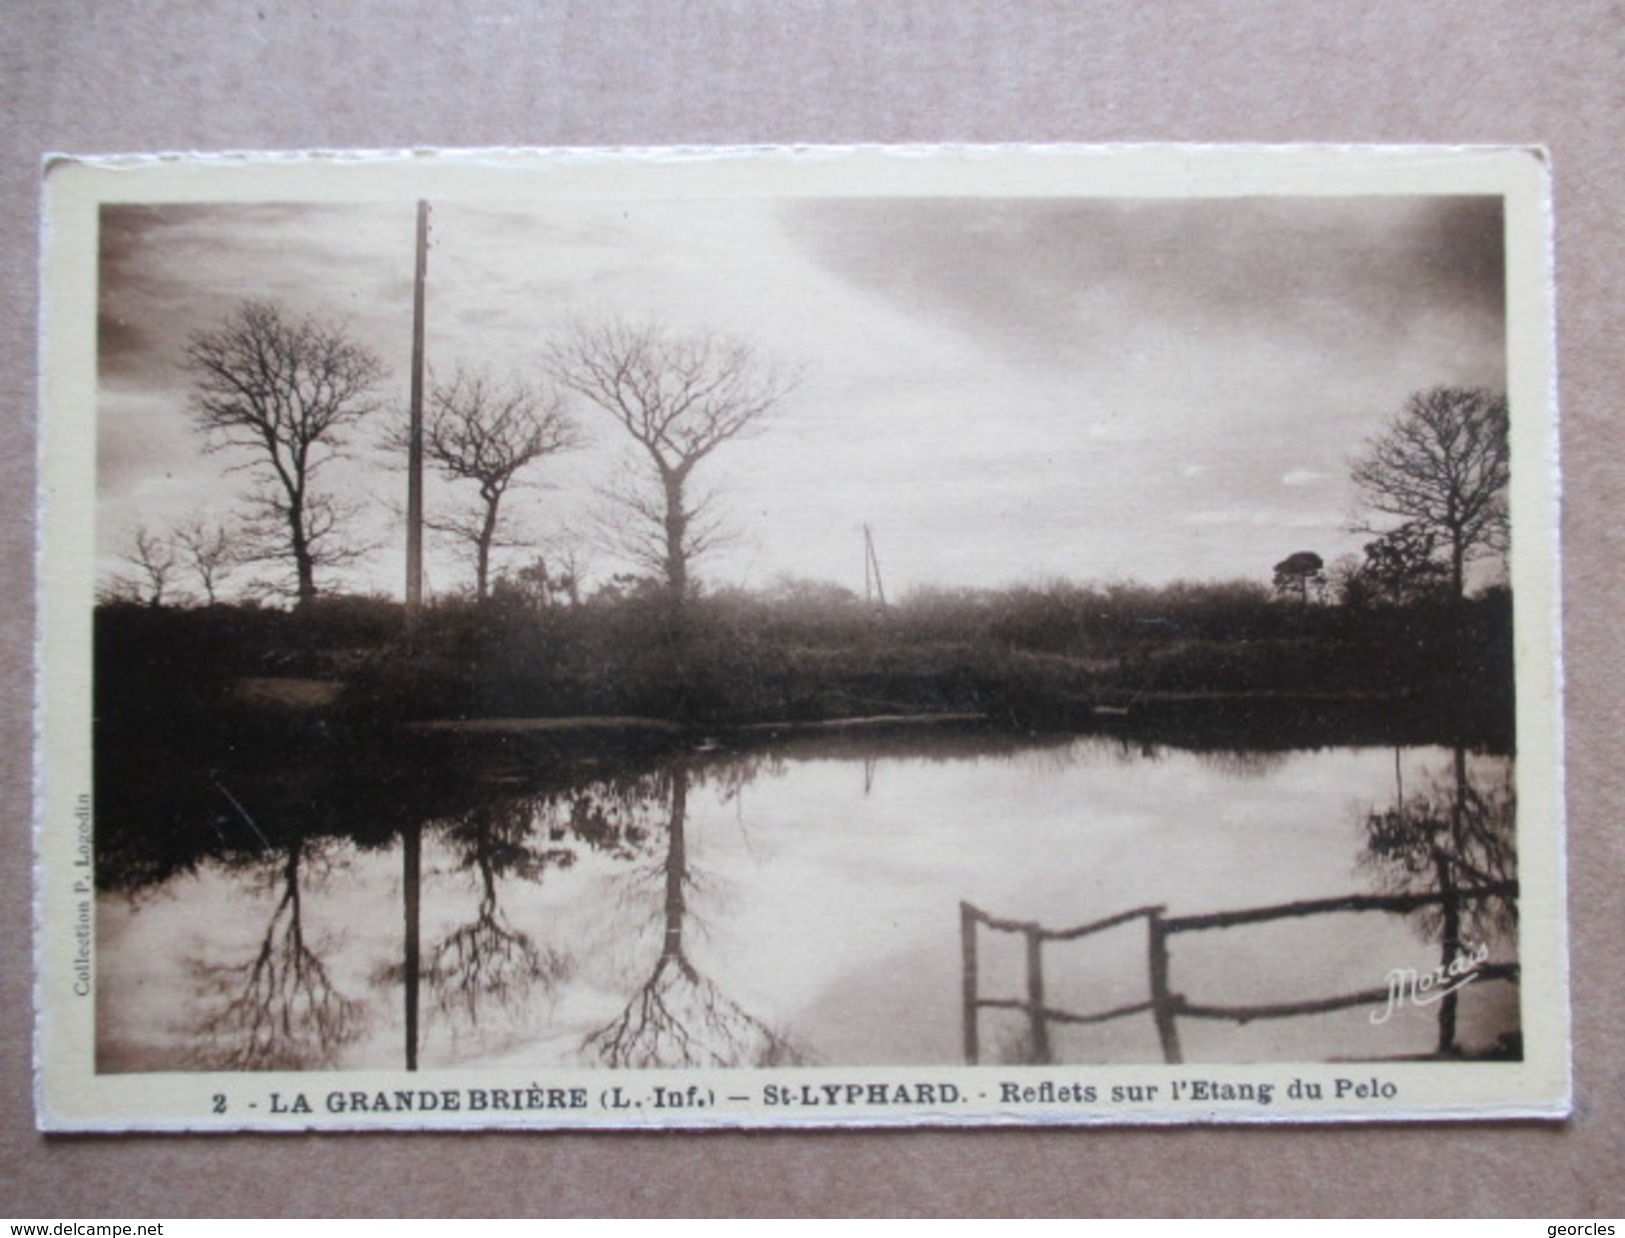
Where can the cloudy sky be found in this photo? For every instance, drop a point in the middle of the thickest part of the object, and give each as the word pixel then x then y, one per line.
pixel 1006 390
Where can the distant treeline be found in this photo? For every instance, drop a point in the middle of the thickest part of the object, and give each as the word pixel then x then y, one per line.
pixel 1061 655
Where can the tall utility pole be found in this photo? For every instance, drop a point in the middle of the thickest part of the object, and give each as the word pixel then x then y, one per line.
pixel 414 454
pixel 412 963
pixel 872 588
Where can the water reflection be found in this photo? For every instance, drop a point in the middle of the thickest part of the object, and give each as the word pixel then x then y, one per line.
pixel 279 1010
pixel 486 965
pixel 638 913
pixel 1245 763
pixel 1441 858
pixel 678 1016
pixel 1450 838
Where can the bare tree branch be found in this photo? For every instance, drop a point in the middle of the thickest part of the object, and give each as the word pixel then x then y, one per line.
pixel 679 398
pixel 1442 467
pixel 482 431
pixel 210 550
pixel 284 394
pixel 153 557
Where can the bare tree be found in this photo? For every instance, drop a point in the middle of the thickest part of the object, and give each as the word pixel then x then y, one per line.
pixel 1442 467
pixel 283 394
pixel 210 551
pixel 679 397
pixel 488 433
pixel 153 557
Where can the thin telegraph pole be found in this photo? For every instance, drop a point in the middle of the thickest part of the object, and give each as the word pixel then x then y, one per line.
pixel 872 588
pixel 412 897
pixel 414 455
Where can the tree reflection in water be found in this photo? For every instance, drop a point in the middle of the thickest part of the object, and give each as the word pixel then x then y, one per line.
pixel 612 965
pixel 487 963
pixel 1453 836
pixel 678 1016
pixel 1243 762
pixel 280 1010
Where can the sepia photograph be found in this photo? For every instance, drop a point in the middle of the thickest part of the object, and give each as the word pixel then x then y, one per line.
pixel 784 637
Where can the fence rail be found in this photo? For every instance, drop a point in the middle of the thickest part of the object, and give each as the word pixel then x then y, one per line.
pixel 1164 1005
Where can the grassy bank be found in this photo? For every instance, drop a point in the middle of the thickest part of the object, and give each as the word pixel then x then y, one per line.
pixel 1063 657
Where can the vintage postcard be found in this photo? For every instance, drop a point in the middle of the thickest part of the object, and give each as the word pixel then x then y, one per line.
pixel 677 638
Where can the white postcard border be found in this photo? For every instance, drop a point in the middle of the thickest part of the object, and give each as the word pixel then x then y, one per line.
pixel 72 1097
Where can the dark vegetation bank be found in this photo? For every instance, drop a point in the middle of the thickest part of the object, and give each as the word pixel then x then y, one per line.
pixel 1222 659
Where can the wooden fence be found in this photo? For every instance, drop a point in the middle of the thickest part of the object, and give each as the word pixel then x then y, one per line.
pixel 1165 1006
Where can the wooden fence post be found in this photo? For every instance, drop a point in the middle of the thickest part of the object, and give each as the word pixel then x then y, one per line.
pixel 968 917
pixel 1162 1005
pixel 1037 1023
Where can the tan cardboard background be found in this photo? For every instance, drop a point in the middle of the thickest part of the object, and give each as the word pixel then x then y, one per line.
pixel 90 76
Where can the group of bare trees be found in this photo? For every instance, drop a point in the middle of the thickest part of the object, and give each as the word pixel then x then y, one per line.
pixel 1434 490
pixel 162 562
pixel 284 398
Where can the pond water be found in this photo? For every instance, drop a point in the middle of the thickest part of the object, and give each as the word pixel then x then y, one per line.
pixel 800 903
